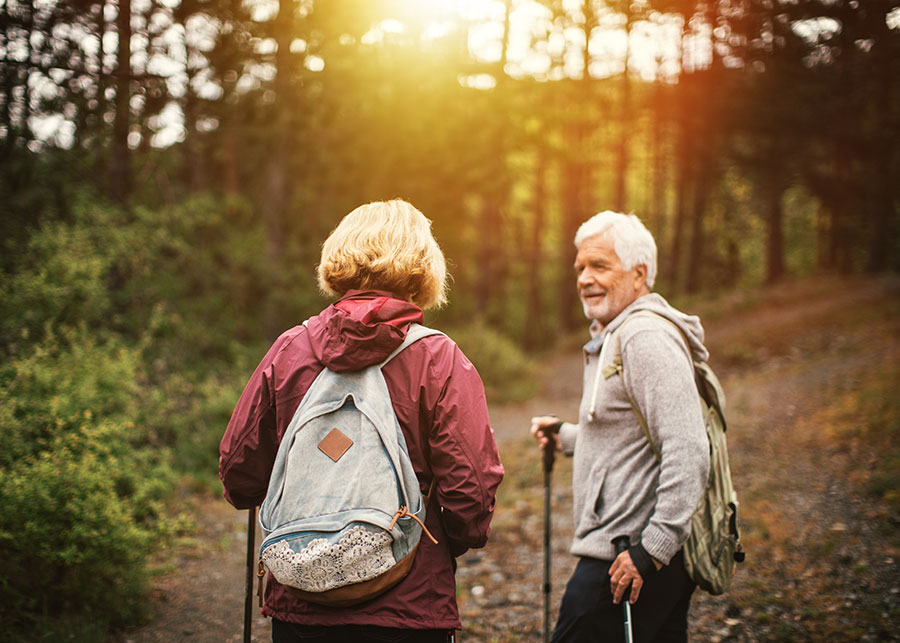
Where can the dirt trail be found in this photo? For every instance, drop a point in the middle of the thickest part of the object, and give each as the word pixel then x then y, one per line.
pixel 819 563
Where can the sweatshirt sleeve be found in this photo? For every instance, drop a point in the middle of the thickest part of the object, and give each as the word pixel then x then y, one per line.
pixel 248 448
pixel 568 432
pixel 659 377
pixel 464 457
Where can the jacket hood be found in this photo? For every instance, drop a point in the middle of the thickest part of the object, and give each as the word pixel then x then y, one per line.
pixel 361 329
pixel 688 324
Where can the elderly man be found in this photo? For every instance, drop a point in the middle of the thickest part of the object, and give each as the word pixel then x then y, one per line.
pixel 620 487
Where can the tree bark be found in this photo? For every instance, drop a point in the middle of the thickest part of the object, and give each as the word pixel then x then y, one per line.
pixel 882 181
pixel 684 161
pixel 8 82
pixel 534 307
pixel 120 171
pixel 697 254
pixel 620 188
pixel 280 160
pixel 658 212
pixel 572 214
pixel 775 267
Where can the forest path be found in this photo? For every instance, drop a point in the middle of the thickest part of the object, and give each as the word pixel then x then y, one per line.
pixel 822 556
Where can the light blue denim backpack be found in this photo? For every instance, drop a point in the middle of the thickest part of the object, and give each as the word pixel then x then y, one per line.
pixel 343 512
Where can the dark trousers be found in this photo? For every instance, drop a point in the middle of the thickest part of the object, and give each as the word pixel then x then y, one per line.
pixel 660 614
pixel 283 632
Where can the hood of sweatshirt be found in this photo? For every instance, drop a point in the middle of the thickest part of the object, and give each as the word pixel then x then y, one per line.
pixel 688 324
pixel 361 329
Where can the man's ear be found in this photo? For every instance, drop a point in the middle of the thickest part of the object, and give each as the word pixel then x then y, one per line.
pixel 640 276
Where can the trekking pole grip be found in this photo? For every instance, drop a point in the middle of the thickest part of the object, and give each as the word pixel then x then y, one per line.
pixel 620 544
pixel 549 451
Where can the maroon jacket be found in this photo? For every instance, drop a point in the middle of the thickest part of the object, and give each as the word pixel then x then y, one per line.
pixel 440 403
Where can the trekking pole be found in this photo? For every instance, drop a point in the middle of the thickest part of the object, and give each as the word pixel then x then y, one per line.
pixel 549 455
pixel 621 544
pixel 251 551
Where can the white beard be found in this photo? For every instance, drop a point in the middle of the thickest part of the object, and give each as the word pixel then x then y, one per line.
pixel 594 309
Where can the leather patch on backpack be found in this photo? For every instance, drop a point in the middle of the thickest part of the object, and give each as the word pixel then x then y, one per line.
pixel 335 444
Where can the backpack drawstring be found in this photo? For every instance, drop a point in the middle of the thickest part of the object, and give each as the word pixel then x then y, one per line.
pixel 403 511
pixel 260 576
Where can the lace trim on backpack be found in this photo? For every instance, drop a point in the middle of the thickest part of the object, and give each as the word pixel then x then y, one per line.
pixel 359 555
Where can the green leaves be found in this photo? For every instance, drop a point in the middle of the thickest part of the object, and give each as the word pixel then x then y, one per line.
pixel 81 504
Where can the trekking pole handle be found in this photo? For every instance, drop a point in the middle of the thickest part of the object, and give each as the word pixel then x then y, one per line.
pixel 620 544
pixel 549 451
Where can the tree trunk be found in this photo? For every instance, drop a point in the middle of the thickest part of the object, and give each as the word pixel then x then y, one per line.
pixel 491 288
pixel 574 180
pixel 882 181
pixel 534 307
pixel 6 92
pixel 230 159
pixel 774 228
pixel 24 127
pixel 120 172
pixel 492 272
pixel 843 231
pixel 279 165
pixel 697 254
pixel 683 158
pixel 682 190
pixel 657 212
pixel 620 187
pixel 192 159
pixel 572 215
pixel 823 221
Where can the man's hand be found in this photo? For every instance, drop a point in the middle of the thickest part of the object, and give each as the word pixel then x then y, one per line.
pixel 544 429
pixel 622 574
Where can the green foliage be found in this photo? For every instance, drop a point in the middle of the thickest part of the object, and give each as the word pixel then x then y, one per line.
pixel 61 280
pixel 81 498
pixel 62 382
pixel 507 373
pixel 123 336
pixel 191 416
pixel 193 272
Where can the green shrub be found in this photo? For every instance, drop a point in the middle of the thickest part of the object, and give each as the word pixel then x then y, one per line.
pixel 507 373
pixel 192 416
pixel 71 528
pixel 125 339
pixel 81 492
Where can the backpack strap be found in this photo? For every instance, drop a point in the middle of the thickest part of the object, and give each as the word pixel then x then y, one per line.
pixel 616 366
pixel 413 334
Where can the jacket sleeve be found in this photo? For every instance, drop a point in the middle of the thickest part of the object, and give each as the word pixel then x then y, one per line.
pixel 248 448
pixel 464 457
pixel 659 376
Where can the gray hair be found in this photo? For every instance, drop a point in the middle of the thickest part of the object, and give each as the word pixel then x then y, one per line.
pixel 632 240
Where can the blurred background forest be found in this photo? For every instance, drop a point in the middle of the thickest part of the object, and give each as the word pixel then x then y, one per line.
pixel 169 169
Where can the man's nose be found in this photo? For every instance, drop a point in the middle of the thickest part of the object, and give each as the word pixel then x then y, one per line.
pixel 585 277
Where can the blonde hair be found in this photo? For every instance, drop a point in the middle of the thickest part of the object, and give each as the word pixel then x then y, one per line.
pixel 385 245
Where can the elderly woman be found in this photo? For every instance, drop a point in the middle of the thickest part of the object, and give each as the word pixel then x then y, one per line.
pixel 384 266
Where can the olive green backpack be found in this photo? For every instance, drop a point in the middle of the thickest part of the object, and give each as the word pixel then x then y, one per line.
pixel 714 545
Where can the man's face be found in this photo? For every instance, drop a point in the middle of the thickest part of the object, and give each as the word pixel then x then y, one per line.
pixel 604 286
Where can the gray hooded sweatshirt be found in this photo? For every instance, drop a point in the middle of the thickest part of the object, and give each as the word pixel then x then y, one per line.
pixel 619 486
